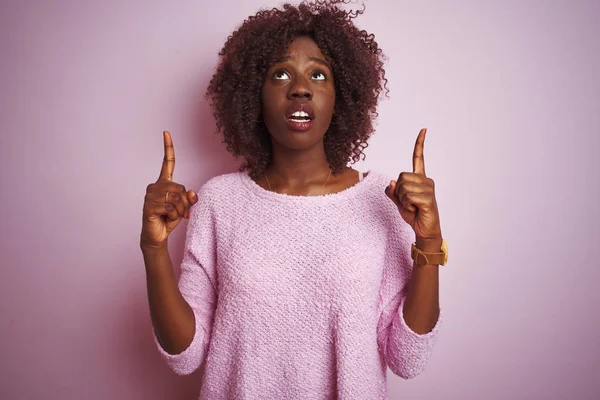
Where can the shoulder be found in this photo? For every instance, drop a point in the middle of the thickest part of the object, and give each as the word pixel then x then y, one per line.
pixel 378 176
pixel 213 197
pixel 218 187
pixel 378 181
pixel 382 206
pixel 220 182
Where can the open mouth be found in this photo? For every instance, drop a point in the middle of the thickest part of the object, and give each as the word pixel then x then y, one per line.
pixel 300 116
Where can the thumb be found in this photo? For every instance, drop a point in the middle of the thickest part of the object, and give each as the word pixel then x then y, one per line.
pixel 389 191
pixel 192 197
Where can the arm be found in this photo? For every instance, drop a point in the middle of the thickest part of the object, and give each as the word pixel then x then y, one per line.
pixel 183 312
pixel 172 317
pixel 421 307
pixel 407 348
pixel 409 335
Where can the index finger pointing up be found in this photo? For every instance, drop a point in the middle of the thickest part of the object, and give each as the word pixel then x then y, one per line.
pixel 418 160
pixel 168 164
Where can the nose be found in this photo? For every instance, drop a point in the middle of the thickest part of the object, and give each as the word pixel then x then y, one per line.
pixel 300 89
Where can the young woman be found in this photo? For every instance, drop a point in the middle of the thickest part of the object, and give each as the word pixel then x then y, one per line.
pixel 302 278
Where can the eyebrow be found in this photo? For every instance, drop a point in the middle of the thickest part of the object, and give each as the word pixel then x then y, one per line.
pixel 315 59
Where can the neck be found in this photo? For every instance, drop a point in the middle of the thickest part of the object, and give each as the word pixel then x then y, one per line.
pixel 298 169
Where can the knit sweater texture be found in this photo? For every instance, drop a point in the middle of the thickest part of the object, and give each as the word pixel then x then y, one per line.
pixel 298 297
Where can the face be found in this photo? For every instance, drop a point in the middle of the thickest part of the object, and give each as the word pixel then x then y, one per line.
pixel 298 96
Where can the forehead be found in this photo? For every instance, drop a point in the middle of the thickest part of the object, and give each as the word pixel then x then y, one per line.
pixel 303 46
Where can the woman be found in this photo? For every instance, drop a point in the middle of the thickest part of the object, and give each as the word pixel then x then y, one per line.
pixel 297 280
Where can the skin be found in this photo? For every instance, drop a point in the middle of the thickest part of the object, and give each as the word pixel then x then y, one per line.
pixel 172 317
pixel 414 195
pixel 299 165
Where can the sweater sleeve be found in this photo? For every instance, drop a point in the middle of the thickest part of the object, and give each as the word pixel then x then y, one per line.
pixel 197 284
pixel 405 351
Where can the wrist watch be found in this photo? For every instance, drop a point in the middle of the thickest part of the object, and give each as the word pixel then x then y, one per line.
pixel 422 258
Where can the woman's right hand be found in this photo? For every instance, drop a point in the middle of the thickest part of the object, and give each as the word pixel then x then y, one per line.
pixel 165 203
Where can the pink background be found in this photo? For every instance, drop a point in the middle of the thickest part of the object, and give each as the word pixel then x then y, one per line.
pixel 508 90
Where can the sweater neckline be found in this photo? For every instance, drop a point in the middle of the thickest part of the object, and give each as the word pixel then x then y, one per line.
pixel 349 192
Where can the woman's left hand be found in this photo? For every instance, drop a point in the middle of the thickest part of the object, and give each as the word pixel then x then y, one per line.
pixel 414 196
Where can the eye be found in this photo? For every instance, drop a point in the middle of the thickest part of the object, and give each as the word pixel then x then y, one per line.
pixel 321 73
pixel 278 75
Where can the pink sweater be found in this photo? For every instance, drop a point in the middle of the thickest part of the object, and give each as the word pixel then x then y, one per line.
pixel 298 297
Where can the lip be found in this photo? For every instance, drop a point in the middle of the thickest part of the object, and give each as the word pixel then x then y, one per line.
pixel 299 126
pixel 306 107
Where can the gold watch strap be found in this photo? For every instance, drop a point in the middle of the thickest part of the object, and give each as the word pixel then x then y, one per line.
pixel 422 258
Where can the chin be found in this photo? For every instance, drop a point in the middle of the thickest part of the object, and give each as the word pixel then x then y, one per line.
pixel 298 140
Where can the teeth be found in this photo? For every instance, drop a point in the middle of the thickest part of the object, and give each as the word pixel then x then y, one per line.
pixel 300 114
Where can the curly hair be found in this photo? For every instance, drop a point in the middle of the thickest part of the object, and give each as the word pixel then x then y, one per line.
pixel 234 91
